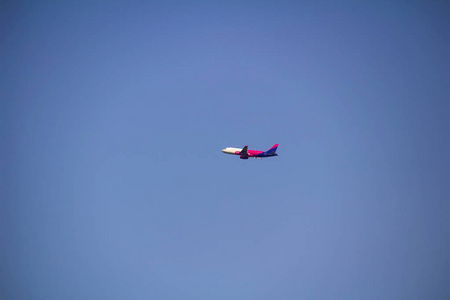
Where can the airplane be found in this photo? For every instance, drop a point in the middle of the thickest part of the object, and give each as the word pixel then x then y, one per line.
pixel 244 153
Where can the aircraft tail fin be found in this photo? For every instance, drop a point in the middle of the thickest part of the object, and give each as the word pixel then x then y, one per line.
pixel 272 150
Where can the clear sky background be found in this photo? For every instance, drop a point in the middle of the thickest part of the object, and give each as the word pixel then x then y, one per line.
pixel 114 113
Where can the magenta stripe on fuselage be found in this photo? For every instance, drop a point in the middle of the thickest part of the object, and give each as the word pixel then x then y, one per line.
pixel 254 152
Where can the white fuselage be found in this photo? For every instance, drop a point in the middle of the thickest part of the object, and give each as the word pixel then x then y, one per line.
pixel 231 150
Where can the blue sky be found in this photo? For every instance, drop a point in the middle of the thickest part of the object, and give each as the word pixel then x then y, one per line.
pixel 113 115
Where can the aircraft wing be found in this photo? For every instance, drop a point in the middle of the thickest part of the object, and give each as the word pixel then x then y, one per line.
pixel 244 151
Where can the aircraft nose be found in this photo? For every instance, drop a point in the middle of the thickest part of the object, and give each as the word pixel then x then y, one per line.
pixel 223 150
